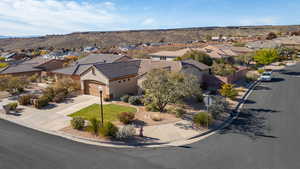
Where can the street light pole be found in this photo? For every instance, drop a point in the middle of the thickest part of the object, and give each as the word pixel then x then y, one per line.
pixel 101 105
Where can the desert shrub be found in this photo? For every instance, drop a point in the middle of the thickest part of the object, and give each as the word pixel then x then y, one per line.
pixel 260 71
pixel 251 76
pixel 13 85
pixel 41 102
pixel 126 117
pixel 126 132
pixel 125 98
pixel 94 126
pixel 151 107
pixel 26 99
pixel 107 99
pixel 219 107
pixel 156 117
pixel 202 119
pixel 135 100
pixel 199 98
pixel 108 129
pixel 178 112
pixel 12 106
pixel 223 69
pixel 229 91
pixel 3 64
pixel 34 78
pixel 58 90
pixel 68 84
pixel 77 123
pixel 58 98
pixel 49 92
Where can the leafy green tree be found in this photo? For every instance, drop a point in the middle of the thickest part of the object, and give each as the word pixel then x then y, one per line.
pixel 198 56
pixel 228 91
pixel 162 88
pixel 266 56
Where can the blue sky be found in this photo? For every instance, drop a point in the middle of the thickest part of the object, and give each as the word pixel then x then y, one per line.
pixel 40 17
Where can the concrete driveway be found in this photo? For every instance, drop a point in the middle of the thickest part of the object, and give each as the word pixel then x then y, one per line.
pixel 53 117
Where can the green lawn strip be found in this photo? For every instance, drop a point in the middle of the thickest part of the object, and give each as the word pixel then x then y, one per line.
pixel 110 111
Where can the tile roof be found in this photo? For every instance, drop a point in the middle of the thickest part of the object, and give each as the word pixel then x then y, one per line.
pixel 147 65
pixel 73 70
pixel 83 64
pixel 174 54
pixel 97 58
pixel 26 66
pixel 197 64
pixel 119 69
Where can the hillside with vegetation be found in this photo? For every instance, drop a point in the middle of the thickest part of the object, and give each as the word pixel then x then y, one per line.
pixel 116 38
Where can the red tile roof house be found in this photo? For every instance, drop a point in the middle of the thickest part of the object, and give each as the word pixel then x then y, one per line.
pixel 38 65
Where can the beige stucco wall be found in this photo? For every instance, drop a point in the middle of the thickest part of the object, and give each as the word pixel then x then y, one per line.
pixel 94 76
pixel 98 76
pixel 124 86
pixel 116 88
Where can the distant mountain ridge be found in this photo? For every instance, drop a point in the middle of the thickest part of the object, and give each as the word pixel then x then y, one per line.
pixel 3 37
pixel 116 38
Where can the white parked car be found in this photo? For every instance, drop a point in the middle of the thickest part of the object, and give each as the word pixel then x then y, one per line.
pixel 266 77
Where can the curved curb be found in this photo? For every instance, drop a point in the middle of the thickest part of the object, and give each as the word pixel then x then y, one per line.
pixel 237 109
pixel 115 144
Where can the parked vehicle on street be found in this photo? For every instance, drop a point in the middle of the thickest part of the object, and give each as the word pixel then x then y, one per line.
pixel 266 76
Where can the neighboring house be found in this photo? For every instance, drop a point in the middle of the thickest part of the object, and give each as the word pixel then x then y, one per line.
pixel 127 48
pixel 225 51
pixel 90 49
pixel 219 51
pixel 72 53
pixel 256 45
pixel 291 42
pixel 73 71
pixel 33 66
pixel 169 55
pixel 8 56
pixel 191 67
pixel 214 51
pixel 11 56
pixel 55 55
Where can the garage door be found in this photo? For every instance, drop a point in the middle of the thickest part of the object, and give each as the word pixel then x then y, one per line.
pixel 92 88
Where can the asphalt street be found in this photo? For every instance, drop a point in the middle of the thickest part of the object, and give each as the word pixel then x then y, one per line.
pixel 265 136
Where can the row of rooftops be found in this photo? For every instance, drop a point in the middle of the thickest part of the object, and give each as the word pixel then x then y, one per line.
pixel 214 51
pixel 132 67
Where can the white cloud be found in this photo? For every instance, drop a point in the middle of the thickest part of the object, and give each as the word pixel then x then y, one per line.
pixel 149 22
pixel 28 17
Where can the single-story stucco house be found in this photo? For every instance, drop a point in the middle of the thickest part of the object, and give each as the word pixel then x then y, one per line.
pixel 214 51
pixel 120 78
pixel 28 67
pixel 75 70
